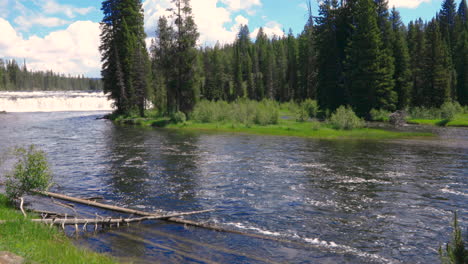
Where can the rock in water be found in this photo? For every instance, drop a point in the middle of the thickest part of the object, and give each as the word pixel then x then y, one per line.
pixel 398 118
pixel 10 258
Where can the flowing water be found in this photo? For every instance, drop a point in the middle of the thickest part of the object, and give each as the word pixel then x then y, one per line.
pixel 342 201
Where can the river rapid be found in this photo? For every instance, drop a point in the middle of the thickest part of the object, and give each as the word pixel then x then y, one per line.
pixel 343 201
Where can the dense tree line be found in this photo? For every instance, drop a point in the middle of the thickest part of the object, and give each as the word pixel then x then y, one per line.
pixel 18 78
pixel 355 52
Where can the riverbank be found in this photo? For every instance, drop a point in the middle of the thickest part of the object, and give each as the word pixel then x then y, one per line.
pixel 460 120
pixel 285 127
pixel 38 243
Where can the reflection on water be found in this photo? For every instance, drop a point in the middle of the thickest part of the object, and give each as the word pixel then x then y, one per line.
pixel 342 201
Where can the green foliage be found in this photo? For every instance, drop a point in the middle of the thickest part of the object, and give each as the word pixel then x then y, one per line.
pixel 31 172
pixel 380 115
pixel 450 109
pixel 454 252
pixel 178 117
pixel 245 112
pixel 447 111
pixel 344 118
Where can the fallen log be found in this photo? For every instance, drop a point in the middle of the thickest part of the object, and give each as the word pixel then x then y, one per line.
pixel 96 204
pixel 108 220
pixel 174 219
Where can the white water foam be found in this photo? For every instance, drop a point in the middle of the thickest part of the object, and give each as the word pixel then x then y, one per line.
pixel 322 244
pixel 59 101
pixel 448 190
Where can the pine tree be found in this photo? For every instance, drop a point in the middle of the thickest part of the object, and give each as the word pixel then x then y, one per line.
pixel 243 79
pixel 329 91
pixel 436 66
pixel 122 33
pixel 462 12
pixel 292 71
pixel 307 61
pixel 370 80
pixel 417 44
pixel 461 63
pixel 402 76
pixel 185 58
pixel 447 22
pixel 261 83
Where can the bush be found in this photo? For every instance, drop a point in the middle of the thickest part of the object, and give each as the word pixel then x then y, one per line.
pixel 179 117
pixel 454 252
pixel 345 118
pixel 311 107
pixel 31 172
pixel 450 109
pixel 242 111
pixel 380 115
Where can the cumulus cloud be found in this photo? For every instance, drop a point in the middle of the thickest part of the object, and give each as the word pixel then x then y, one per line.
pixel 407 3
pixel 271 29
pixel 215 22
pixel 26 23
pixel 52 7
pixel 74 50
pixel 237 5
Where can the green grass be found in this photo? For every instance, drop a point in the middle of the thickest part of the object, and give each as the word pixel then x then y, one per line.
pixel 460 120
pixel 38 243
pixel 296 129
pixel 285 127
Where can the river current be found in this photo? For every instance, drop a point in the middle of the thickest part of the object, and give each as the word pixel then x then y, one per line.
pixel 343 201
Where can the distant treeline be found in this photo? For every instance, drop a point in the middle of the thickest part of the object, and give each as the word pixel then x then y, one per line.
pixel 354 52
pixel 16 78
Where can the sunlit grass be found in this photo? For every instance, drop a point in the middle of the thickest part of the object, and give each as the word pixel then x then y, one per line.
pixel 38 243
pixel 460 120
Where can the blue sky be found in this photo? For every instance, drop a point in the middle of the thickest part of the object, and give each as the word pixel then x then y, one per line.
pixel 63 35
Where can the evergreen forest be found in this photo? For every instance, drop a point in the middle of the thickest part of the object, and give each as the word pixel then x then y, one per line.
pixel 14 77
pixel 357 53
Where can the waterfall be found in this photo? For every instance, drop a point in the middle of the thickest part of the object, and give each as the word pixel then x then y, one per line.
pixel 59 101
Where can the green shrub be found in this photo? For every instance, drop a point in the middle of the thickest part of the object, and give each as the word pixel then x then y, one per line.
pixel 242 111
pixel 312 107
pixel 450 109
pixel 424 113
pixel 454 252
pixel 380 115
pixel 345 118
pixel 266 113
pixel 178 117
pixel 31 172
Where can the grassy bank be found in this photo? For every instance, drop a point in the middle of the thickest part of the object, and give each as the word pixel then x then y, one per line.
pixel 284 127
pixel 38 243
pixel 460 120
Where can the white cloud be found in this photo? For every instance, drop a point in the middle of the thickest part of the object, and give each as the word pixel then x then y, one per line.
pixel 271 29
pixel 74 50
pixel 407 3
pixel 26 23
pixel 237 5
pixel 52 7
pixel 212 19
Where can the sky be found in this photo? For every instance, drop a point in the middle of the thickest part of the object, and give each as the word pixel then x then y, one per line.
pixel 63 35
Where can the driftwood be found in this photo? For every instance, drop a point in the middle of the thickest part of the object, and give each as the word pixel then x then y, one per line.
pixel 174 219
pixel 21 207
pixel 96 204
pixel 108 220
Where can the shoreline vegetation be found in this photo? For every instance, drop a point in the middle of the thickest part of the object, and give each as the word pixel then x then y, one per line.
pixel 38 243
pixel 450 114
pixel 267 118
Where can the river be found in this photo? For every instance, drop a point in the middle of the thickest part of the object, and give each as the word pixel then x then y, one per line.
pixel 344 201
